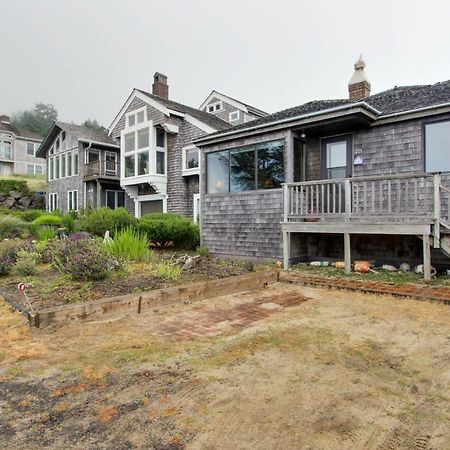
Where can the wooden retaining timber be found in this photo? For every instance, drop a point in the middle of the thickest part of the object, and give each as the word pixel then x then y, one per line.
pixel 136 303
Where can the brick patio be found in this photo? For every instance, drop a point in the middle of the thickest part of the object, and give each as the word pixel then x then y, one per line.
pixel 418 292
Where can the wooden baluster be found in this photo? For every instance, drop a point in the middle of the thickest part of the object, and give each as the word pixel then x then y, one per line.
pixel 357 197
pixel 333 201
pixel 389 196
pixel 301 199
pixel 317 199
pixel 380 183
pixel 312 199
pixel 340 198
pixel 365 197
pixel 398 196
pixel 373 197
pixel 407 196
pixel 328 198
pixel 322 199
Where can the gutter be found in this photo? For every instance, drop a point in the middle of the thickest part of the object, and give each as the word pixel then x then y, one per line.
pixel 91 142
pixel 411 111
pixel 291 119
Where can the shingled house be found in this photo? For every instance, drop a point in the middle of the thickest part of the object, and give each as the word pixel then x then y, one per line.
pixel 83 169
pixel 159 161
pixel 298 183
pixel 18 150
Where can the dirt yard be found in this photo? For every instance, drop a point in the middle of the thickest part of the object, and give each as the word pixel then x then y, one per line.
pixel 282 368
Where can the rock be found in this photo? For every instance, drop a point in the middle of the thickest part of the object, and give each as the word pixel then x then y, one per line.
pixel 2 197
pixel 15 194
pixel 414 389
pixel 248 266
pixel 38 200
pixel 9 202
pixel 25 201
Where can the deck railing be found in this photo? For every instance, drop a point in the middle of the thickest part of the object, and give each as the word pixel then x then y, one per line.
pixel 102 168
pixel 423 196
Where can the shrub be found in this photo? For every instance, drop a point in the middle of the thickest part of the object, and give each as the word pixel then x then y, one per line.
pixel 9 185
pixel 11 227
pixel 202 250
pixel 26 262
pixel 8 254
pixel 31 214
pixel 84 259
pixel 68 222
pixel 130 244
pixel 98 221
pixel 163 229
pixel 45 233
pixel 167 271
pixel 47 220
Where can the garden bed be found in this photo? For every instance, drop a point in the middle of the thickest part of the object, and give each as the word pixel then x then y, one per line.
pixel 50 288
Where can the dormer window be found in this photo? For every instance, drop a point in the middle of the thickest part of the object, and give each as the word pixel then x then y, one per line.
pixel 214 107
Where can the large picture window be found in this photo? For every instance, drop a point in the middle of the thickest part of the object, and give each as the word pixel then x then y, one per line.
pixel 259 166
pixel 437 147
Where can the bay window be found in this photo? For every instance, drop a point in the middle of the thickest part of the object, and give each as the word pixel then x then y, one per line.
pixel 259 166
pixel 129 166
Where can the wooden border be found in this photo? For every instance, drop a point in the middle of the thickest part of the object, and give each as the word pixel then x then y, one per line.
pixel 136 303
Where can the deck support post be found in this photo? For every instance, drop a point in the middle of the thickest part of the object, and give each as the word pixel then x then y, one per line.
pixel 347 254
pixel 437 210
pixel 98 191
pixel 286 249
pixel 426 258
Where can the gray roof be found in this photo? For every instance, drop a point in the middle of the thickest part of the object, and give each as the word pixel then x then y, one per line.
pixel 398 99
pixel 203 116
pixel 18 132
pixel 82 133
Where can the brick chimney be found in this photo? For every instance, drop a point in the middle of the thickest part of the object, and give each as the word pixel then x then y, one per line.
pixel 5 119
pixel 359 86
pixel 160 87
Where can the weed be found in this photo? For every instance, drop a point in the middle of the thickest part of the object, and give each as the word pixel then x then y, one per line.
pixel 167 271
pixel 130 245
pixel 203 250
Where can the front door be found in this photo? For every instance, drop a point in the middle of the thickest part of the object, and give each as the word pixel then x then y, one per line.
pixel 336 157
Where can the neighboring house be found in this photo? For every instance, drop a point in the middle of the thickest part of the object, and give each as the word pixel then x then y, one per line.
pixel 229 109
pixel 299 182
pixel 83 168
pixel 159 163
pixel 18 150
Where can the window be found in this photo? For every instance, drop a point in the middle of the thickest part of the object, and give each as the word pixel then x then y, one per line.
pixel 30 148
pixel 63 136
pixel 129 166
pixel 72 204
pixel 52 202
pixel 160 138
pixel 259 166
pixel 129 142
pixel 75 162
pixel 214 107
pixel 136 117
pixel 190 160
pixel 143 138
pixel 233 116
pixel 63 165
pixel 115 199
pixel 140 116
pixel 131 120
pixel 143 168
pixel 56 167
pixel 5 150
pixel 33 169
pixel 38 170
pixel 160 163
pixel 437 147
pixel 57 144
pixel 51 168
pixel 69 164
pixel 30 169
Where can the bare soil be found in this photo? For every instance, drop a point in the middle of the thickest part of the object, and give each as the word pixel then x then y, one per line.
pixel 284 367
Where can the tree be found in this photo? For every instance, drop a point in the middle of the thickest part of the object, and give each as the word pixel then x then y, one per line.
pixel 38 120
pixel 92 124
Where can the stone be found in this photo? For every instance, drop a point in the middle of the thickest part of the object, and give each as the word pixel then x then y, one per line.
pixel 9 202
pixel 15 194
pixel 248 266
pixel 25 201
pixel 2 197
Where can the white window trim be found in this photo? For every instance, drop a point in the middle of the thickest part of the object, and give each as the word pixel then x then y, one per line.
pixel 52 201
pixel 149 198
pixel 195 170
pixel 69 194
pixel 197 208
pixel 213 105
pixel 231 114
pixel 134 113
pixel 34 148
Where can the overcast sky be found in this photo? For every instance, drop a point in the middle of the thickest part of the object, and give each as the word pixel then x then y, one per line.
pixel 85 56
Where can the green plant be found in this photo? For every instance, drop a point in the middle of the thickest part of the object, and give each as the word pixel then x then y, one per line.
pixel 11 227
pixel 164 229
pixel 26 262
pixel 45 233
pixel 68 222
pixel 8 185
pixel 168 271
pixel 130 244
pixel 83 258
pixel 45 220
pixel 8 254
pixel 98 221
pixel 31 214
pixel 202 250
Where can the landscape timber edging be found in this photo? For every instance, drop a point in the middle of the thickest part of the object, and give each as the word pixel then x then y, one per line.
pixel 136 303
pixel 425 293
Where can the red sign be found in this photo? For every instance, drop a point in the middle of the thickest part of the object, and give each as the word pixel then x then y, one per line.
pixel 22 287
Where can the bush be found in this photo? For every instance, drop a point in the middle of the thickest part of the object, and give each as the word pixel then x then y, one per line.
pixel 9 185
pixel 130 245
pixel 98 221
pixel 167 271
pixel 12 227
pixel 68 222
pixel 31 214
pixel 45 220
pixel 84 259
pixel 26 262
pixel 163 229
pixel 8 254
pixel 202 250
pixel 45 233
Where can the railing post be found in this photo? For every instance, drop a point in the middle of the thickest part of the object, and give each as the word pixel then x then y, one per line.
pixel 437 210
pixel 348 198
pixel 285 202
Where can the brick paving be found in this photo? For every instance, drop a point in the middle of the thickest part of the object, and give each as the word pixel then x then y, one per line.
pixel 205 321
pixel 418 292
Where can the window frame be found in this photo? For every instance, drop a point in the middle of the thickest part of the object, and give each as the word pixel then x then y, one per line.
pixel 194 170
pixel 234 112
pixel 116 198
pixel 424 140
pixel 214 107
pixel 72 197
pixel 52 201
pixel 34 149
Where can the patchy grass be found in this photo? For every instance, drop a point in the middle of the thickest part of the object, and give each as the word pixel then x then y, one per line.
pixel 35 183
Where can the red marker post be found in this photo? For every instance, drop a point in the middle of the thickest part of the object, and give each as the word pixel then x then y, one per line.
pixel 22 287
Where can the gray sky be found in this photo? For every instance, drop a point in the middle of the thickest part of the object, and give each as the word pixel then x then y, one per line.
pixel 86 56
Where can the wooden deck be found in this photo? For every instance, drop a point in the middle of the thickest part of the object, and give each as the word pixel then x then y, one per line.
pixel 409 204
